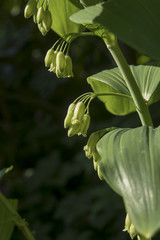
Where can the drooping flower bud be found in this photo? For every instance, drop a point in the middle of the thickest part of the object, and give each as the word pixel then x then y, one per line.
pixel 60 62
pixel 78 113
pixel 47 20
pixel 68 70
pixel 58 73
pixel 53 63
pixel 87 152
pixel 42 29
pixel 52 68
pixel 96 156
pixel 127 223
pixel 84 125
pixel 90 148
pixel 95 165
pixel 49 56
pixel 74 129
pixel 40 14
pixel 132 231
pixel 67 120
pixel 35 17
pixel 30 8
pixel 99 173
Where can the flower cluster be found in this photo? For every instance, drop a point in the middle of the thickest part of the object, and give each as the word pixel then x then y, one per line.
pixel 91 150
pixel 77 119
pixel 41 15
pixel 59 62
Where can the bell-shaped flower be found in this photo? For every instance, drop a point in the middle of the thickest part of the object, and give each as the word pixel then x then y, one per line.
pixel 42 29
pixel 60 62
pixel 40 14
pixel 84 125
pixel 30 8
pixel 47 20
pixel 49 57
pixel 73 130
pixel 90 148
pixel 68 70
pixel 78 113
pixel 68 118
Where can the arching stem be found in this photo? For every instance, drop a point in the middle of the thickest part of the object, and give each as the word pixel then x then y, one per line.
pixel 131 83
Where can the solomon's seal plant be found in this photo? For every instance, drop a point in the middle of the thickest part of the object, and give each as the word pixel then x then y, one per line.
pixel 128 159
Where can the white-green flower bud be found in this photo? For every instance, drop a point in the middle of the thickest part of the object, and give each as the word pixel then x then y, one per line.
pixel 68 69
pixel 95 165
pixel 60 62
pixel 74 129
pixel 42 29
pixel 92 141
pixel 58 73
pixel 78 113
pixel 127 223
pixel 87 152
pixel 99 173
pixel 84 125
pixel 90 148
pixel 132 231
pixel 47 20
pixel 67 120
pixel 96 156
pixel 40 14
pixel 49 56
pixel 30 8
pixel 52 68
pixel 53 63
pixel 35 17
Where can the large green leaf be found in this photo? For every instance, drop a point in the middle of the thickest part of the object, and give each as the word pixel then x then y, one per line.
pixel 6 220
pixel 130 164
pixel 61 10
pixel 135 22
pixel 108 81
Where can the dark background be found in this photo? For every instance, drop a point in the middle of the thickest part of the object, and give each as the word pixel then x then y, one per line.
pixel 59 193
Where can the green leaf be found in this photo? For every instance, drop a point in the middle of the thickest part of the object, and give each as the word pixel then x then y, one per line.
pixel 138 30
pixel 61 10
pixel 130 165
pixel 5 170
pixel 6 220
pixel 110 81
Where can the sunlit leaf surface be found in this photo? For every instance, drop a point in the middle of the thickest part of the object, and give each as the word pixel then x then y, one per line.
pixel 135 22
pixel 130 164
pixel 110 81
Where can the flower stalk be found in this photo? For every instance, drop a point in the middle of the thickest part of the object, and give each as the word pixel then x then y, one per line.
pixel 140 104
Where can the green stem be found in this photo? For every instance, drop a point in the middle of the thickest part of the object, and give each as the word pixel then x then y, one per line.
pixel 140 104
pixel 113 94
pixel 20 223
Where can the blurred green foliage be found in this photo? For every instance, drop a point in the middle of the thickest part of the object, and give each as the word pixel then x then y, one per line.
pixel 59 193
